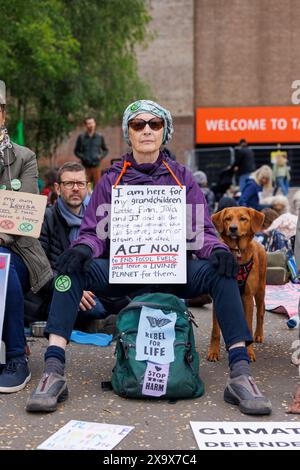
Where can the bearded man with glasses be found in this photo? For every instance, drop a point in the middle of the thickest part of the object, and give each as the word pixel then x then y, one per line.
pixel 60 228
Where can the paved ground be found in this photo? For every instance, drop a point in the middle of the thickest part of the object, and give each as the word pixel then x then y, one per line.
pixel 158 425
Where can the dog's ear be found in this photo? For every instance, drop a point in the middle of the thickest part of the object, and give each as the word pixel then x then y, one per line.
pixel 257 219
pixel 217 220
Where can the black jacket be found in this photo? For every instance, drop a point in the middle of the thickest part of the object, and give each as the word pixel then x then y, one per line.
pixel 90 150
pixel 54 235
pixel 244 160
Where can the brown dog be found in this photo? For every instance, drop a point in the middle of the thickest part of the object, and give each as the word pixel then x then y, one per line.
pixel 237 226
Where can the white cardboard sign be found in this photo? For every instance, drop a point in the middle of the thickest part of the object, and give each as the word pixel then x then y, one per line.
pixel 148 235
pixel 247 435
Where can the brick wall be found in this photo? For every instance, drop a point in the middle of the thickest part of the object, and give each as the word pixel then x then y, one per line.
pixel 214 53
pixel 246 52
pixel 167 65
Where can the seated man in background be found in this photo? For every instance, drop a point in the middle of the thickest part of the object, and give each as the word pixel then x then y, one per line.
pixel 61 226
pixel 62 222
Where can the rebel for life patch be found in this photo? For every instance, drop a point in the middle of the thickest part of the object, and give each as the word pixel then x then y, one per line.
pixel 156 336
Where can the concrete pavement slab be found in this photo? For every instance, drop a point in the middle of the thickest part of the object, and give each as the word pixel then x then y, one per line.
pixel 159 425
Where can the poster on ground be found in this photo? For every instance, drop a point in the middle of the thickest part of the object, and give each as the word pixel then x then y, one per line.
pixel 84 435
pixel 246 435
pixel 148 235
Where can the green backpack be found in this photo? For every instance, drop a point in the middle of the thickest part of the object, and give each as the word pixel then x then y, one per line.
pixel 128 373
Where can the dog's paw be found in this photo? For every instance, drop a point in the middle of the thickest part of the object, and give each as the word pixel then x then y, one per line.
pixel 213 356
pixel 258 338
pixel 251 354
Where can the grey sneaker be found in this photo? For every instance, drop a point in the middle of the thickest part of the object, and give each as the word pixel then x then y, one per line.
pixel 243 391
pixel 52 389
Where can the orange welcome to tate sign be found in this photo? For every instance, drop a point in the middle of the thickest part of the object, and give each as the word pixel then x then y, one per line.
pixel 255 124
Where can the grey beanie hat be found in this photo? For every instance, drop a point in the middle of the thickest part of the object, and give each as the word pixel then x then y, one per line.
pixel 2 92
pixel 147 106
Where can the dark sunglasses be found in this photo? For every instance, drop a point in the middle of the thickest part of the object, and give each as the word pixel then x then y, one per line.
pixel 139 124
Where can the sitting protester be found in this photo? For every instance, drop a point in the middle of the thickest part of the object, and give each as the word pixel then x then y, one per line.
pixel 61 227
pixel 270 216
pixel 285 224
pixel 280 203
pixel 62 222
pixel 259 180
pixel 146 126
pixel 29 266
pixel 294 406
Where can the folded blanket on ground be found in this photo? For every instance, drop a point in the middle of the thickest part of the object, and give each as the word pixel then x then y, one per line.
pixel 283 299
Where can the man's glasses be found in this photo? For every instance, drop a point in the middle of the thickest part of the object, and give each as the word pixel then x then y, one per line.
pixel 139 124
pixel 71 184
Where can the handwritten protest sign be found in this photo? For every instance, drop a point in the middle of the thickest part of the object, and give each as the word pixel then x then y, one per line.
pixel 21 213
pixel 84 435
pixel 148 235
pixel 4 270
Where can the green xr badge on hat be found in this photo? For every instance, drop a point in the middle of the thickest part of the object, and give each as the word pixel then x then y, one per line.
pixel 135 106
pixel 63 283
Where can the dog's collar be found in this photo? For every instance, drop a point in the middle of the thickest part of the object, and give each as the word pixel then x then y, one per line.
pixel 238 254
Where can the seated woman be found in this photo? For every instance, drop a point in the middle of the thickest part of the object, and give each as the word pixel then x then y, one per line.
pixel 146 127
pixel 29 266
pixel 260 179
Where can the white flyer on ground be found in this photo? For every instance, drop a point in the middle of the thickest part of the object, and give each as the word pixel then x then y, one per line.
pixel 4 270
pixel 84 435
pixel 148 235
pixel 246 435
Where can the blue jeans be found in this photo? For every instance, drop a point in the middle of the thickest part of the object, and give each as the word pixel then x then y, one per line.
pixel 13 326
pixel 201 278
pixel 95 313
pixel 282 183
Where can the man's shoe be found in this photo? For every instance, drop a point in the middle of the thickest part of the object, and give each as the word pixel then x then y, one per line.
pixel 52 389
pixel 243 391
pixel 15 375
